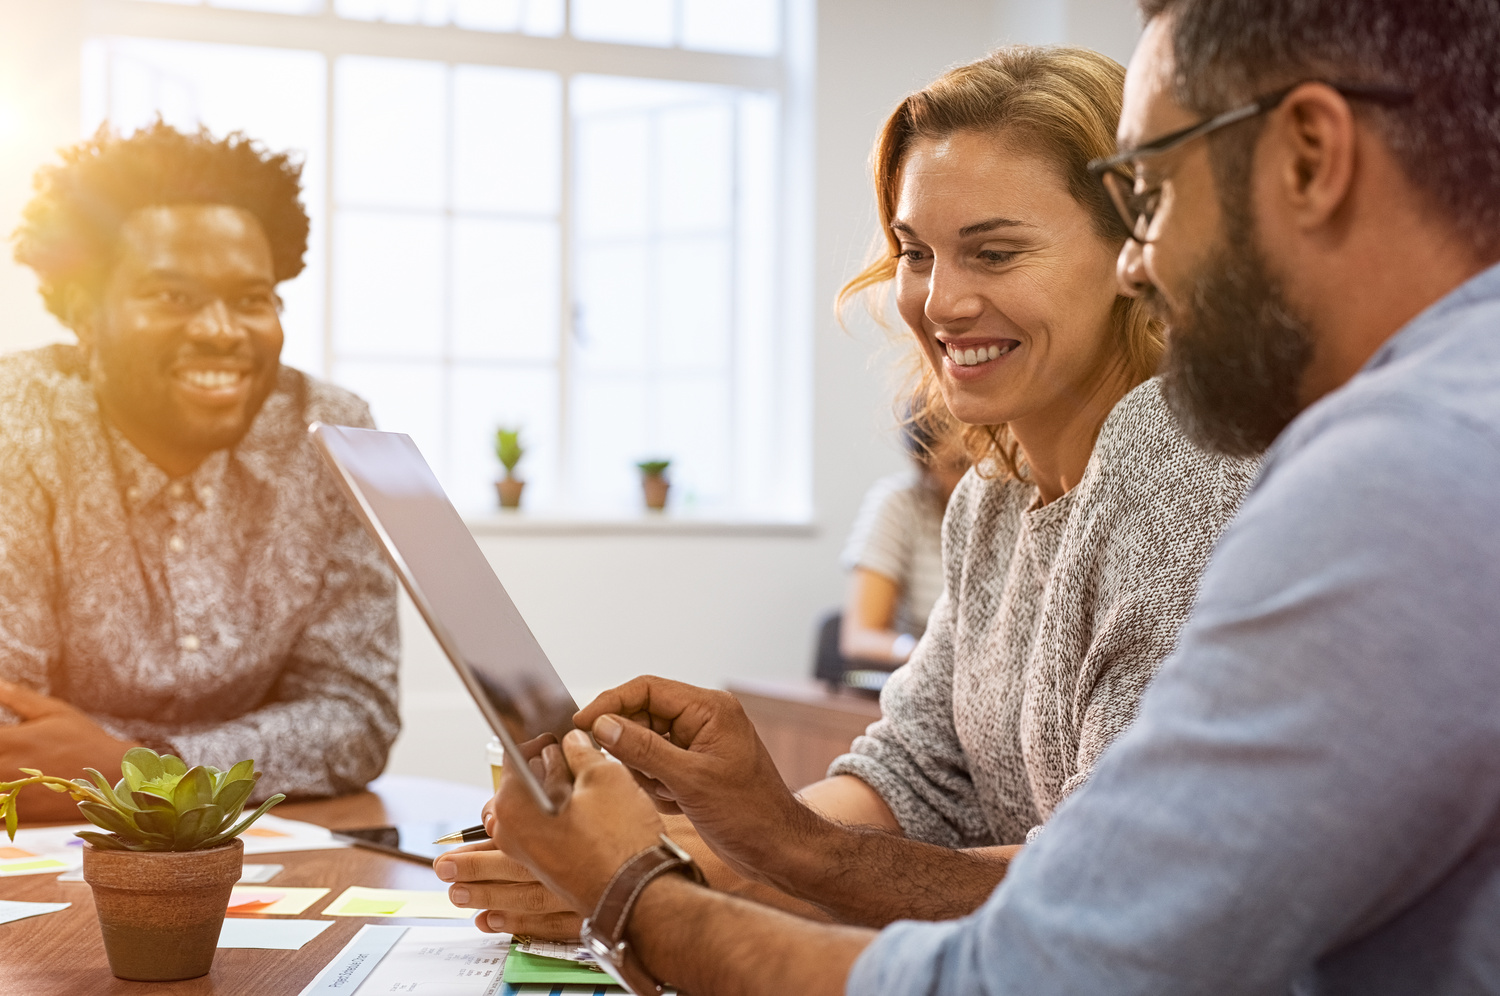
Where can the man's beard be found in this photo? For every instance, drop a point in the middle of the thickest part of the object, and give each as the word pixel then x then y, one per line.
pixel 1233 367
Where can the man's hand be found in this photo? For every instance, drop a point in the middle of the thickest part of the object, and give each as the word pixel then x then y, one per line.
pixel 486 878
pixel 603 820
pixel 57 739
pixel 695 751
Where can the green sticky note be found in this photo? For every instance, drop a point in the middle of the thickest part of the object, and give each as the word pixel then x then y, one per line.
pixel 523 969
pixel 372 907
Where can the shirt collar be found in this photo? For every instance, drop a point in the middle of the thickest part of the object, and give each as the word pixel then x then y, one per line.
pixel 1432 323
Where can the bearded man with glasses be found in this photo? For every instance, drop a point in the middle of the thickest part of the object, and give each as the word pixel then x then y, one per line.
pixel 177 568
pixel 1309 799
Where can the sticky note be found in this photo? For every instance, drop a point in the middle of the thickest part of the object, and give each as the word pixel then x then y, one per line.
pixel 523 968
pixel 7 853
pixel 32 867
pixel 360 901
pixel 278 935
pixel 273 902
pixel 370 907
pixel 11 910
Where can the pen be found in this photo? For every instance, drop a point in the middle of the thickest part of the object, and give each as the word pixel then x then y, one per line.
pixel 464 836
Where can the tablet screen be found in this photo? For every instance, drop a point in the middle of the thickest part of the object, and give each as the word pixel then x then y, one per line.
pixel 452 584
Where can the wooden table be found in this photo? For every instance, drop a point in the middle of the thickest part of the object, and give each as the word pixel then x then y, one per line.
pixel 805 724
pixel 62 953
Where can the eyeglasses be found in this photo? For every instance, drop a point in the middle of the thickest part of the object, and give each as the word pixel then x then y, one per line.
pixel 1138 204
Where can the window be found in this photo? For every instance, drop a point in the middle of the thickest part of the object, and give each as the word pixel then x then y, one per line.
pixel 558 234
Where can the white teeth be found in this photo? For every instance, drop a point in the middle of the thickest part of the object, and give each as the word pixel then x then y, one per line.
pixel 973 357
pixel 211 380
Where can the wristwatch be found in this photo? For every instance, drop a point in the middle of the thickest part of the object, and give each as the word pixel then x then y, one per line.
pixel 604 932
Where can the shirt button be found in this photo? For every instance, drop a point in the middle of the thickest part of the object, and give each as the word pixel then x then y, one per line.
pixel 189 642
pixel 133 493
pixel 176 490
pixel 176 545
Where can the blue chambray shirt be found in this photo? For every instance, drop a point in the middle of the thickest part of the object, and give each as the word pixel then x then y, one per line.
pixel 1310 800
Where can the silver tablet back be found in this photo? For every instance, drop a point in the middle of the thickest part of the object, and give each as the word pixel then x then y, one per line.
pixel 453 586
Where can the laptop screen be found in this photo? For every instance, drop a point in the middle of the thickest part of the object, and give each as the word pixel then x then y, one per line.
pixel 452 584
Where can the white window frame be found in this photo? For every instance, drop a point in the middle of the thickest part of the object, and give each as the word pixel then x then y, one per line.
pixel 789 75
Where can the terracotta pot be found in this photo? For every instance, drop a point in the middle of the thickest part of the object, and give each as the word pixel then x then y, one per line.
pixel 509 490
pixel 655 486
pixel 161 911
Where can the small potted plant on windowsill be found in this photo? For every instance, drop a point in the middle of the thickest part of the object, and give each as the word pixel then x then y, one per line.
pixel 508 450
pixel 654 483
pixel 161 875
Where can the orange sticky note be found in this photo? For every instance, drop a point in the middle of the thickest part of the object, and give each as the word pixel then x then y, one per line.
pixel 260 832
pixel 8 853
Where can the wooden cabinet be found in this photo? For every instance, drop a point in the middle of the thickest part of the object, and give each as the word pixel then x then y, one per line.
pixel 804 724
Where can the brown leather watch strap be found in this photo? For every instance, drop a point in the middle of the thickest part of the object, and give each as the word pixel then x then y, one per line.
pixel 613 912
pixel 611 916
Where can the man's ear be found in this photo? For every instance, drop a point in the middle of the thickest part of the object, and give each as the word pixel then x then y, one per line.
pixel 1316 140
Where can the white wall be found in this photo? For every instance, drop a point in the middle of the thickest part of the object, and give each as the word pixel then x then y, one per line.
pixel 702 606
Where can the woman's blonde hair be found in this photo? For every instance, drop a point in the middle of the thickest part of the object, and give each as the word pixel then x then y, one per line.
pixel 1066 102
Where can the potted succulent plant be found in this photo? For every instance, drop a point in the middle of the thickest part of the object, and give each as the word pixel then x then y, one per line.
pixel 654 482
pixel 509 450
pixel 162 872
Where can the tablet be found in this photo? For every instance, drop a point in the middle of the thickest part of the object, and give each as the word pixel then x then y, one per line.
pixel 480 629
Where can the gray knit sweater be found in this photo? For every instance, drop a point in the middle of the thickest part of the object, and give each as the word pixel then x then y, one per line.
pixel 1052 621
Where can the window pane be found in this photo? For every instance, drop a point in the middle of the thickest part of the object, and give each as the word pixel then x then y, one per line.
pixel 610 322
pixel 388 285
pixel 608 436
pixel 403 397
pixel 390 132
pixel 694 167
pixel 613 168
pixel 394 11
pixel 748 27
pixel 507 140
pixel 484 398
pixel 505 290
pixel 692 427
pixel 272 6
pixel 693 294
pixel 488 15
pixel 638 22
pixel 542 17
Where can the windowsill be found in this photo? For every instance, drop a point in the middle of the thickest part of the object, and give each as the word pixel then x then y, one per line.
pixel 669 523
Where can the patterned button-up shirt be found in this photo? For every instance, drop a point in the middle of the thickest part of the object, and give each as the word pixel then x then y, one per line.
pixel 238 611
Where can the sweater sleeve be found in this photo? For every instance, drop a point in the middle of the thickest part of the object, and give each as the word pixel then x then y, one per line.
pixel 912 756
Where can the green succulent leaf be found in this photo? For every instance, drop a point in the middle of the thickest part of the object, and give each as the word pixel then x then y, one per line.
pixel 155 821
pixel 31 771
pixel 134 778
pixel 12 818
pixel 109 819
pixel 150 802
pixel 173 765
pixel 124 798
pixel 194 789
pixel 231 798
pixel 101 841
pixel 146 761
pixel 244 769
pixel 197 825
pixel 99 782
pixel 244 824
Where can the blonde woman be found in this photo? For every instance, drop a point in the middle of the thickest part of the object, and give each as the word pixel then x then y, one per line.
pixel 1072 551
